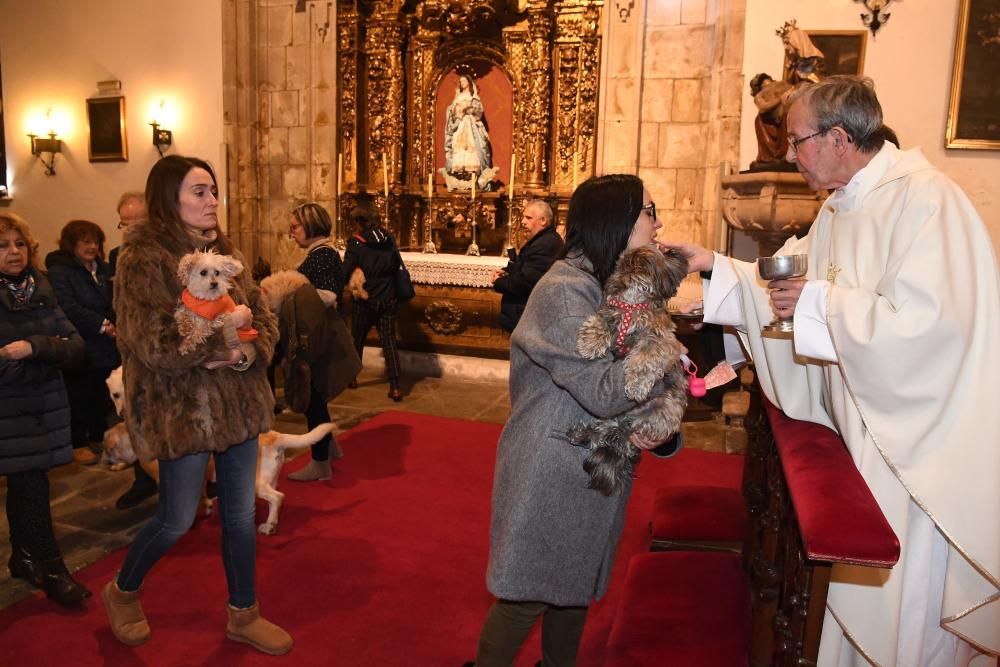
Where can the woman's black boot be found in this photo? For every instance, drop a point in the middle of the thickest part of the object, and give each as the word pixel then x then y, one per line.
pixel 22 566
pixel 59 584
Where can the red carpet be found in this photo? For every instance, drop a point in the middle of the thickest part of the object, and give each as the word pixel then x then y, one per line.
pixel 382 565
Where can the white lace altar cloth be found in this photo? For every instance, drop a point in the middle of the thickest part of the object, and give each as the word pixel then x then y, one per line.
pixel 457 270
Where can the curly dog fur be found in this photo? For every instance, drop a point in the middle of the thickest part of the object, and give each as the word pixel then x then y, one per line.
pixel 645 279
pixel 207 276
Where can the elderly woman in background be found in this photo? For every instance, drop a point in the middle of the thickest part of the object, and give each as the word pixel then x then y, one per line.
pixel 82 282
pixel 182 408
pixel 310 228
pixel 36 341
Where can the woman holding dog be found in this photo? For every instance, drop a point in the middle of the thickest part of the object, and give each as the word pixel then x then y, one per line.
pixel 553 540
pixel 337 364
pixel 182 408
pixel 36 342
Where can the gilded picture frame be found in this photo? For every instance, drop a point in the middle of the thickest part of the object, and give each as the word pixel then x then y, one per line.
pixel 974 101
pixel 108 141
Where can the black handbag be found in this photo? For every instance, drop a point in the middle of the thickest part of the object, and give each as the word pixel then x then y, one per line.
pixel 404 286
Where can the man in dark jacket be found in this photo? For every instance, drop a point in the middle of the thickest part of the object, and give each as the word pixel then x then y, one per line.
pixel 132 210
pixel 526 267
pixel 374 251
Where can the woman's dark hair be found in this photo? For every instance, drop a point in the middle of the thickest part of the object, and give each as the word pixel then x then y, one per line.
pixel 163 187
pixel 314 219
pixel 365 212
pixel 602 213
pixel 81 230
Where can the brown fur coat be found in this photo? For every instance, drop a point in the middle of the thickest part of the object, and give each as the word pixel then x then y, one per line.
pixel 174 406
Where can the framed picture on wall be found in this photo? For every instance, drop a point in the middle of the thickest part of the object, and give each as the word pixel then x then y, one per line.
pixel 974 107
pixel 843 50
pixel 106 120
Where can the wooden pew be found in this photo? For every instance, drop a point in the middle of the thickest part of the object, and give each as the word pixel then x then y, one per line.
pixel 807 507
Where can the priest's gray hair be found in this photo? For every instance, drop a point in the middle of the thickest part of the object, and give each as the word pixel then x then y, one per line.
pixel 542 206
pixel 847 102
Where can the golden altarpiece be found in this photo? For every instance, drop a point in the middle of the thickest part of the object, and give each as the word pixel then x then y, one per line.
pixel 397 61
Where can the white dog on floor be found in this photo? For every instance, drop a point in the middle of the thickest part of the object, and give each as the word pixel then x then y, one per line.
pixel 270 455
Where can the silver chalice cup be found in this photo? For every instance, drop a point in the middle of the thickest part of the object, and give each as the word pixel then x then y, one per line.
pixel 781 267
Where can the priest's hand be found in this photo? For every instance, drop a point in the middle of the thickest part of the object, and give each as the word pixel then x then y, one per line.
pixel 699 259
pixel 785 295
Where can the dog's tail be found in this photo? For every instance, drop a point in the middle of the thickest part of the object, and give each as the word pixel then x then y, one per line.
pixel 289 441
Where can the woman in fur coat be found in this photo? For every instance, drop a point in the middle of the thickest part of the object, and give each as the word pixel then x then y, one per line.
pixel 36 341
pixel 552 539
pixel 182 408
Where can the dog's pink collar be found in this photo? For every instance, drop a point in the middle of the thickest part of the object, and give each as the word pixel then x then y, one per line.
pixel 628 310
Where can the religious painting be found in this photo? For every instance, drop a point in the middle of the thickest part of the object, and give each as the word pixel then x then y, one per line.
pixel 106 120
pixel 843 50
pixel 473 129
pixel 974 110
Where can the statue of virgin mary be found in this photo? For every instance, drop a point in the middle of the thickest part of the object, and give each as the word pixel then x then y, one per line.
pixel 467 148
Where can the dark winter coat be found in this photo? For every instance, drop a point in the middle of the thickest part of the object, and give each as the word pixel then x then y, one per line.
pixel 551 538
pixel 526 269
pixel 317 335
pixel 174 406
pixel 34 408
pixel 86 300
pixel 375 251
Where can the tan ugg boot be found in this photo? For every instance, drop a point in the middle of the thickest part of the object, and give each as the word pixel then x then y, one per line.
pixel 247 626
pixel 128 622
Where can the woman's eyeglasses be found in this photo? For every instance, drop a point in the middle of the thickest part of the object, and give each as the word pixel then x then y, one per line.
pixel 651 209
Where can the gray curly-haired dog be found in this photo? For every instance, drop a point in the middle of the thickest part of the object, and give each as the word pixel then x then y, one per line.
pixel 633 324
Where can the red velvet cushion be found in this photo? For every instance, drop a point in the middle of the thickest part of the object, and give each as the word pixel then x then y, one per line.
pixel 682 608
pixel 838 517
pixel 698 513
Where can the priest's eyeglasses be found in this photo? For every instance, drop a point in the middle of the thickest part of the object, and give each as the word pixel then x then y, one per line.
pixel 794 143
pixel 651 209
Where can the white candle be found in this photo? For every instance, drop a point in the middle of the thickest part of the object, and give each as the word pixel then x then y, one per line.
pixel 513 161
pixel 385 177
pixel 430 185
pixel 340 174
pixel 473 186
pixel 574 170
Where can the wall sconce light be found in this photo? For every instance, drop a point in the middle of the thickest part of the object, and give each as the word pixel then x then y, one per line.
pixel 52 145
pixel 878 17
pixel 162 138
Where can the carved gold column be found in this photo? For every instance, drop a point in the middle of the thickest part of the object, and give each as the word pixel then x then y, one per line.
pixel 347 65
pixel 537 99
pixel 384 93
pixel 577 55
pixel 420 104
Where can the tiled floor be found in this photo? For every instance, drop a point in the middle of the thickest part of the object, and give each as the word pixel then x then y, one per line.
pixel 88 526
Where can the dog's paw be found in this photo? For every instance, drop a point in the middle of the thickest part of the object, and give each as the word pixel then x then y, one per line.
pixel 638 383
pixel 118 467
pixel 594 339
pixel 267 528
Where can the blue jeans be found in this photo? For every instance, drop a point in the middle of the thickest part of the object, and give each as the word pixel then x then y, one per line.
pixel 180 496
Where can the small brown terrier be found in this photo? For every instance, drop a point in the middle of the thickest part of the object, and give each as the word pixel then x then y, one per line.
pixel 633 324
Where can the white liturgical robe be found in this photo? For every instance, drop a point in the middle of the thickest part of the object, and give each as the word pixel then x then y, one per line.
pixel 897 347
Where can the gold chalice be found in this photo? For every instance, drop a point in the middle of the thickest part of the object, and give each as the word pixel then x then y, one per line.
pixel 781 267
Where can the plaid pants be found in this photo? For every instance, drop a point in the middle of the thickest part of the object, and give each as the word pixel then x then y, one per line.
pixel 382 314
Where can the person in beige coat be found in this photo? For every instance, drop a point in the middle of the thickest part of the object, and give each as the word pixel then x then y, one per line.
pixel 183 408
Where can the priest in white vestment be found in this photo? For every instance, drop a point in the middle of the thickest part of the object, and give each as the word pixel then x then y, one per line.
pixel 897 347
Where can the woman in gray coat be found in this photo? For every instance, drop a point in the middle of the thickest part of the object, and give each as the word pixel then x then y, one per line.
pixel 553 540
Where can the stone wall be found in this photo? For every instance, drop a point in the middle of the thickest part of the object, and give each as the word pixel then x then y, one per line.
pixel 279 77
pixel 671 105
